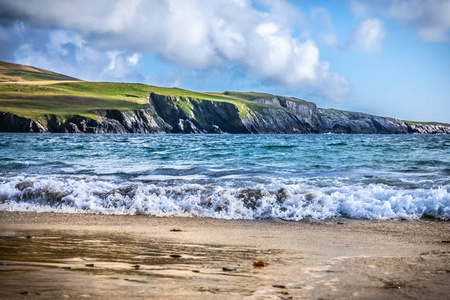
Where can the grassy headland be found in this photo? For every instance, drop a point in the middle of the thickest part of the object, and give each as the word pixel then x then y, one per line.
pixel 65 99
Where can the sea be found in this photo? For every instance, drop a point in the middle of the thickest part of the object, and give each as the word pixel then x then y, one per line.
pixel 290 177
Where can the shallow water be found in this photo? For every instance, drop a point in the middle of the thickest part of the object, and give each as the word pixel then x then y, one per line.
pixel 228 176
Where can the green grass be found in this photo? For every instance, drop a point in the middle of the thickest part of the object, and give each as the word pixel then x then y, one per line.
pixel 36 76
pixel 425 123
pixel 16 72
pixel 63 106
pixel 85 98
pixel 68 99
pixel 252 96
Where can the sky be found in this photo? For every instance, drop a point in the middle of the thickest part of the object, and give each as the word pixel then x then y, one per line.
pixel 384 57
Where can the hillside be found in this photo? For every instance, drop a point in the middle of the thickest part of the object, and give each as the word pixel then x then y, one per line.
pixel 10 72
pixel 37 100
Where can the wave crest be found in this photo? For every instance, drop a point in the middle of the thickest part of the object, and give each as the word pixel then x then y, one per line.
pixel 288 201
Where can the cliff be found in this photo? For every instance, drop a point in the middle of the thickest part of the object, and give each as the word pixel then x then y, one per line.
pixel 74 106
pixel 169 114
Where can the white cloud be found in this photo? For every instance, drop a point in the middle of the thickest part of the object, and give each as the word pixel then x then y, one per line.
pixel 66 52
pixel 133 59
pixel 368 35
pixel 189 33
pixel 430 17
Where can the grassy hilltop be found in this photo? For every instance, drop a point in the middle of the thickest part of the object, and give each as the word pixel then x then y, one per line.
pixel 36 93
pixel 10 72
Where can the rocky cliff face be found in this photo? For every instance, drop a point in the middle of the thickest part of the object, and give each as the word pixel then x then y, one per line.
pixel 427 128
pixel 319 120
pixel 187 115
pixel 109 121
pixel 338 121
pixel 274 114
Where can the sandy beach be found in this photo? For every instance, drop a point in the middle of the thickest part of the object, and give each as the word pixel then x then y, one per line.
pixel 50 256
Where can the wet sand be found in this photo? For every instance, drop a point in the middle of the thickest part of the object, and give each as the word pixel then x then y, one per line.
pixel 52 256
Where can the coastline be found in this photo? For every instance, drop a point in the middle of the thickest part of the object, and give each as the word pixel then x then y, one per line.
pixel 310 259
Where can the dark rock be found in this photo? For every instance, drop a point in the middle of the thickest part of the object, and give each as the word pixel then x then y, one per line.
pixel 309 196
pixel 110 121
pixel 23 185
pixel 186 126
pixel 252 197
pixel 176 230
pixel 89 265
pixel 187 115
pixel 428 217
pixel 196 271
pixel 279 286
pixel 339 121
pixel 282 195
pixel 229 269
pixel 175 255
pixel 269 114
pixel 430 128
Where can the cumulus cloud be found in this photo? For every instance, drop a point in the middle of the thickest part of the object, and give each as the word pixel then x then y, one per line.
pixel 368 35
pixel 189 33
pixel 430 17
pixel 67 52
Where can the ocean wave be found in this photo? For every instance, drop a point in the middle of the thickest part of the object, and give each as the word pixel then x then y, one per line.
pixel 294 200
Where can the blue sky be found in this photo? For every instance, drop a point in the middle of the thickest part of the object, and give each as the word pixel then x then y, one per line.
pixel 386 57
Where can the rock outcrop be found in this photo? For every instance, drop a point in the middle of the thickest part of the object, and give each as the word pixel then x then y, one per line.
pixel 339 121
pixel 432 128
pixel 109 121
pixel 268 114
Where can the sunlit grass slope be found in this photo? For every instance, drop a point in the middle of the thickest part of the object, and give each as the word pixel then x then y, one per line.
pixel 84 98
pixel 10 72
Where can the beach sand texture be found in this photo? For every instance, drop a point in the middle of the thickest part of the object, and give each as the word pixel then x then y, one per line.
pixel 54 256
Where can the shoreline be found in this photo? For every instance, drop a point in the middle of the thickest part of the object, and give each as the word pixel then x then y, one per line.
pixel 85 255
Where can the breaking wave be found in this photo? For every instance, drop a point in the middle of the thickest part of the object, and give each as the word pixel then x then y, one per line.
pixel 288 200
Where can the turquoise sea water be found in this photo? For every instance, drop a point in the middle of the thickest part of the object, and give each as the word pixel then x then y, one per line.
pixel 228 176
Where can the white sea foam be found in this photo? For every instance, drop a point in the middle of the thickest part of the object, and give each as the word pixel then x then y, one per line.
pixel 286 200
